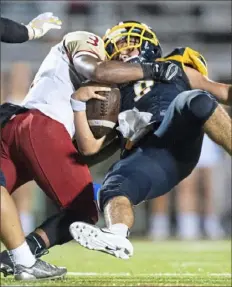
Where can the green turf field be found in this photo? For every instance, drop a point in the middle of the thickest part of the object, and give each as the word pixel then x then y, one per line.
pixel 171 263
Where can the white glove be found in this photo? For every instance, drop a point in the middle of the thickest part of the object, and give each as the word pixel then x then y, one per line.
pixel 42 24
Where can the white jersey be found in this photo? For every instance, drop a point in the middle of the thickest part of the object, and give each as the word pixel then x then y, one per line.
pixel 57 79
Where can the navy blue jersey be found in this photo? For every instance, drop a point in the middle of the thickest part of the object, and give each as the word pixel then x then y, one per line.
pixel 149 96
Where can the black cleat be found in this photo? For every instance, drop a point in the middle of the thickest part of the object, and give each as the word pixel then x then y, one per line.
pixel 39 271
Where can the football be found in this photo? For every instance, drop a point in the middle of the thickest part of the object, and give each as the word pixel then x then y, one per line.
pixel 103 115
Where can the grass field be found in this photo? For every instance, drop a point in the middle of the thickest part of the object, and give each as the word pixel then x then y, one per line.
pixel 171 263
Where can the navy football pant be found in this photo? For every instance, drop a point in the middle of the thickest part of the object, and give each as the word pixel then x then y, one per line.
pixel 166 156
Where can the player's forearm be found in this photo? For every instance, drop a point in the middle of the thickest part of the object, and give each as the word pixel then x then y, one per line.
pixel 13 32
pixel 118 72
pixel 110 72
pixel 86 142
pixel 221 91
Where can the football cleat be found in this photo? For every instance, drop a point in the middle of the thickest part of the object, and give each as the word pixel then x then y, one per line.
pixel 101 239
pixel 7 266
pixel 41 270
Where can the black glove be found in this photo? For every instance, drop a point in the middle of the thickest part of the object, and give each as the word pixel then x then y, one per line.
pixel 161 71
pixel 158 71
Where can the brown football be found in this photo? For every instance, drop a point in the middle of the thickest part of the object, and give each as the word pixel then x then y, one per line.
pixel 103 115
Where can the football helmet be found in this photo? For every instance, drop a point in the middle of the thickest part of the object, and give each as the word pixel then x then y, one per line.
pixel 148 43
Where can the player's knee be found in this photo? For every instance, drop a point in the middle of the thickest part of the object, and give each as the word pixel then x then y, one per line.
pixel 109 190
pixel 201 105
pixel 135 187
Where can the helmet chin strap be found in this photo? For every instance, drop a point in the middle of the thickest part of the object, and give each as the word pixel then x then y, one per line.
pixel 130 58
pixel 135 59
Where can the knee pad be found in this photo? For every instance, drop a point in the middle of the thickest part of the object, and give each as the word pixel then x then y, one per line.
pixel 201 105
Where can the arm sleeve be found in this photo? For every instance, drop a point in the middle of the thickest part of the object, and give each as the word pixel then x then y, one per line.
pixel 13 32
pixel 84 43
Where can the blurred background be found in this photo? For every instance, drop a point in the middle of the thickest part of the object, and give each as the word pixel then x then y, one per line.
pixel 200 207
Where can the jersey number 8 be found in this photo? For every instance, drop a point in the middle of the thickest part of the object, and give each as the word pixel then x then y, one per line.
pixel 141 88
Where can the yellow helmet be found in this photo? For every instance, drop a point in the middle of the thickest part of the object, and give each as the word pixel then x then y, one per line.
pixel 148 44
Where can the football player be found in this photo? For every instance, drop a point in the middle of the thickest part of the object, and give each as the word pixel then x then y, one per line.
pixel 180 113
pixel 11 233
pixel 37 136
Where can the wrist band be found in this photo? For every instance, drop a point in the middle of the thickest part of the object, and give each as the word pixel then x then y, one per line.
pixel 78 106
pixel 31 32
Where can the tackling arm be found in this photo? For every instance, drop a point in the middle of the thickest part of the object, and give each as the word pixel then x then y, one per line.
pixel 222 92
pixel 107 71
pixel 116 72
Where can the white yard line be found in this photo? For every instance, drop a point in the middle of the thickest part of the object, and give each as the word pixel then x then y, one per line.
pixel 97 274
pixel 122 274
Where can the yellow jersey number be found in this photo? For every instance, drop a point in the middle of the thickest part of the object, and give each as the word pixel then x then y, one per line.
pixel 141 88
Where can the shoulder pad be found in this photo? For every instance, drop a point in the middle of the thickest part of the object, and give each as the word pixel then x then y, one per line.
pixel 189 57
pixel 77 35
pixel 82 42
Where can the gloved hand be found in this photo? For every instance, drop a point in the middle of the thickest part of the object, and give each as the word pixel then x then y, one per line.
pixel 161 71
pixel 158 71
pixel 40 25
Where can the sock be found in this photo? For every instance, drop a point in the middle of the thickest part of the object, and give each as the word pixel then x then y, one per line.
pixel 22 255
pixel 120 229
pixel 36 244
pixel 27 220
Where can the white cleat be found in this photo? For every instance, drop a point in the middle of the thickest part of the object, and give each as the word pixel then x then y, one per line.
pixel 101 239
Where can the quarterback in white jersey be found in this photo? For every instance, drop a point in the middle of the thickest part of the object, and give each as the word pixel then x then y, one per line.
pixel 57 79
